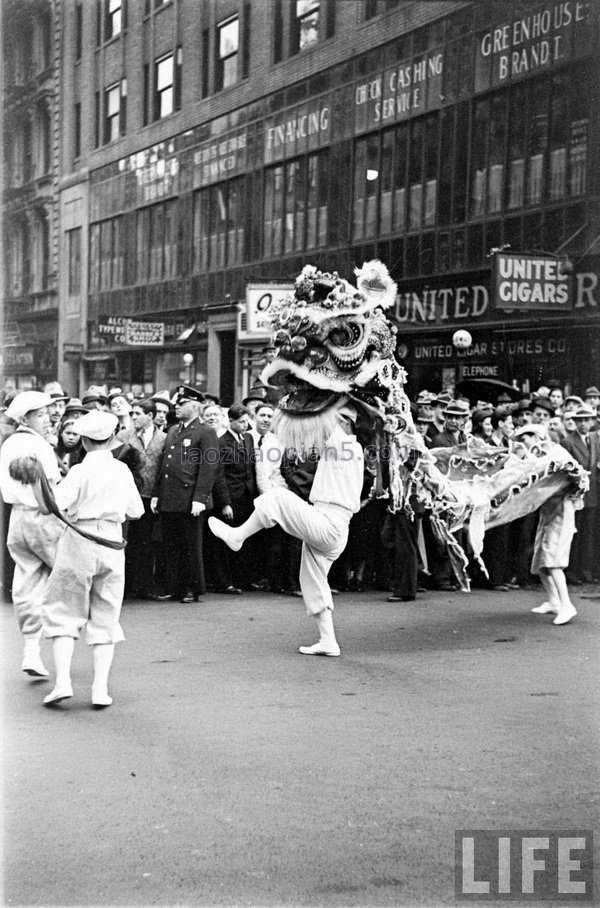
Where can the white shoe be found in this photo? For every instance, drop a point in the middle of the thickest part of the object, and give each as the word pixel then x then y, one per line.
pixel 565 615
pixel 320 649
pixel 101 700
pixel 32 664
pixel 544 609
pixel 226 533
pixel 58 695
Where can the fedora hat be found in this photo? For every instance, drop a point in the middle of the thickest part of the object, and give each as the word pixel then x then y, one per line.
pixel 457 408
pixel 162 397
pixel 544 403
pixel 75 405
pixel 583 412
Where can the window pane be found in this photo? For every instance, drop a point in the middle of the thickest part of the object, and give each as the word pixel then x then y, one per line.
pixel 309 30
pixel 229 38
pixel 164 73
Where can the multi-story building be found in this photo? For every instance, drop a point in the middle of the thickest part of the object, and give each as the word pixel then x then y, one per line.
pixel 29 214
pixel 208 150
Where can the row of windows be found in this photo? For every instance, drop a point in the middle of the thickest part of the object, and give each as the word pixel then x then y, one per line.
pixel 29 152
pixel 162 79
pixel 28 254
pixel 528 147
pixel 418 178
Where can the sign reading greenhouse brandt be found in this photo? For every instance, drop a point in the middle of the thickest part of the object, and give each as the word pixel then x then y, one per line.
pixel 530 282
pixel 127 331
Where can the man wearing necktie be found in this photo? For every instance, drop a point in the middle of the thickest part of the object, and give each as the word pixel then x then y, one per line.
pixel 140 553
pixel 235 491
pixel 583 444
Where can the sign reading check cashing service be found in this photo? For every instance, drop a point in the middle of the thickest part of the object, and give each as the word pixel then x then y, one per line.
pixel 523 282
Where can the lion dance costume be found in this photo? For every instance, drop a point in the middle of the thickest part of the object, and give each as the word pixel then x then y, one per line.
pixel 334 362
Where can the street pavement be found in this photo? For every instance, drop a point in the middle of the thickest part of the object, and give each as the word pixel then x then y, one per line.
pixel 232 771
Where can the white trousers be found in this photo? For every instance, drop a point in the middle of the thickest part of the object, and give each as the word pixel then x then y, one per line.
pixel 32 541
pixel 86 586
pixel 323 529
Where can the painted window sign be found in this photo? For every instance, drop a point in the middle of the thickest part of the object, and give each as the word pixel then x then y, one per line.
pixel 537 40
pixel 530 282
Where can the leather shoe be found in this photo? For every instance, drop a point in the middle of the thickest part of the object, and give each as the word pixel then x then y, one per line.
pixel 231 590
pixel 161 597
pixel 189 597
pixel 393 598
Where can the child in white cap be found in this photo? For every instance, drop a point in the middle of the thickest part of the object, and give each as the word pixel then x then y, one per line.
pixel 86 585
pixel 33 534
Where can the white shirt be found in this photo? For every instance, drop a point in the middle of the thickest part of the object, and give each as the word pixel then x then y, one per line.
pixel 99 488
pixel 24 443
pixel 269 452
pixel 340 472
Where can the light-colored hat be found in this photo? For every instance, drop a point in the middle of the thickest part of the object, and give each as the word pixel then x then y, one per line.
pixel 97 425
pixel 162 397
pixel 532 428
pixel 583 412
pixel 592 392
pixel 25 402
pixel 457 408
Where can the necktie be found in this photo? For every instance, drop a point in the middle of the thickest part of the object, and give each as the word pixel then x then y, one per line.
pixel 260 441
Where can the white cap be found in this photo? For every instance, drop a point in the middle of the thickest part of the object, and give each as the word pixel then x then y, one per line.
pixel 531 428
pixel 25 402
pixel 97 425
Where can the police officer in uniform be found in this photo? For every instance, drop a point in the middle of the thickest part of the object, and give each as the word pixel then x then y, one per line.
pixel 183 493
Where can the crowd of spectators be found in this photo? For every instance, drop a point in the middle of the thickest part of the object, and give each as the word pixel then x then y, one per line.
pixel 172 555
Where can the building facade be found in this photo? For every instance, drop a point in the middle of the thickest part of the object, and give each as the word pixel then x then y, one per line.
pixel 30 178
pixel 209 150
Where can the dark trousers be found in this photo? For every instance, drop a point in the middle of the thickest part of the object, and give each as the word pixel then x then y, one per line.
pixel 582 562
pixel 140 552
pixel 183 537
pixel 399 536
pixel 522 536
pixel 496 555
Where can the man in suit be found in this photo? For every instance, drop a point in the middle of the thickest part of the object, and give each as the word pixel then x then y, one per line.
pixel 583 444
pixel 149 442
pixel 182 494
pixel 234 495
pixel 456 414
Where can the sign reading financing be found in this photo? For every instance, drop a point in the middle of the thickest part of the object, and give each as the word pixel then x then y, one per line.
pixel 530 282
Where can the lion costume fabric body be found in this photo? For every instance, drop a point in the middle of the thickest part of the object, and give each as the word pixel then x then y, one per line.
pixel 333 341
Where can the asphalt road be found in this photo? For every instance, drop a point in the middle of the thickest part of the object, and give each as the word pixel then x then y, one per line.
pixel 233 771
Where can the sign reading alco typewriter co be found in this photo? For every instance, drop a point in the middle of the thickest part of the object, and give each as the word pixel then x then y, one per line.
pixel 527 281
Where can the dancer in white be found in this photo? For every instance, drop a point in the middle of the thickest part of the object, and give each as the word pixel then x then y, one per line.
pixel 33 534
pixel 322 523
pixel 556 527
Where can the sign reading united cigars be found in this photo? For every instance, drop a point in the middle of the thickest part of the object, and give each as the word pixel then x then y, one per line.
pixel 524 284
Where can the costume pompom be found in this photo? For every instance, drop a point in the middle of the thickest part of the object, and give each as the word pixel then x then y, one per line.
pixel 25 469
pixel 375 282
